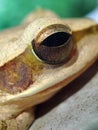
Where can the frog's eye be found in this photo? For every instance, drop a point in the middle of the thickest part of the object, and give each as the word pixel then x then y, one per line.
pixel 53 45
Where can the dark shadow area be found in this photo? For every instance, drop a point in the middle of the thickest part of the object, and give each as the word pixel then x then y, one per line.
pixel 56 39
pixel 68 91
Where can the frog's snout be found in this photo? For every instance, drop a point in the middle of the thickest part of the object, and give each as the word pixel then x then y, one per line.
pixel 53 45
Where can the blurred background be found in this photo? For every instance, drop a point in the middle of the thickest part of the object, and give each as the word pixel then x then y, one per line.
pixel 12 12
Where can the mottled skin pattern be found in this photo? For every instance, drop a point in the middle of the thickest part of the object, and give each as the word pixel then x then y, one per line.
pixel 13 75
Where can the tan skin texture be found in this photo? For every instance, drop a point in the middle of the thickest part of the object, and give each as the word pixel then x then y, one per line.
pixel 26 81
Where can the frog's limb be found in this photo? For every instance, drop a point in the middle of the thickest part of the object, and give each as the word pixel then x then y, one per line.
pixel 21 122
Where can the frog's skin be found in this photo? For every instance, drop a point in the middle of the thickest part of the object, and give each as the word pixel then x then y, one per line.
pixel 25 81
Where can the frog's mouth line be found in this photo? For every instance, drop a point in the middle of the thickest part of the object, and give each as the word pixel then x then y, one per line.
pixel 52 76
pixel 54 79
pixel 25 70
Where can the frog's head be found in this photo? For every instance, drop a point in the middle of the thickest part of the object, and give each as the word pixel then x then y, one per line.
pixel 48 55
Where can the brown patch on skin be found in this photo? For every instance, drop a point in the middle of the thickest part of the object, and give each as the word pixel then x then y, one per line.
pixel 17 75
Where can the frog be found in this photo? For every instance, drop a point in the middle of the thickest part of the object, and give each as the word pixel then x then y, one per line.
pixel 37 59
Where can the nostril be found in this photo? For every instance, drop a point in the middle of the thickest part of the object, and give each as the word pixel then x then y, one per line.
pixel 56 39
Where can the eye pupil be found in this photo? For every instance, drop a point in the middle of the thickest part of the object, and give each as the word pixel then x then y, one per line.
pixel 53 45
pixel 56 39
